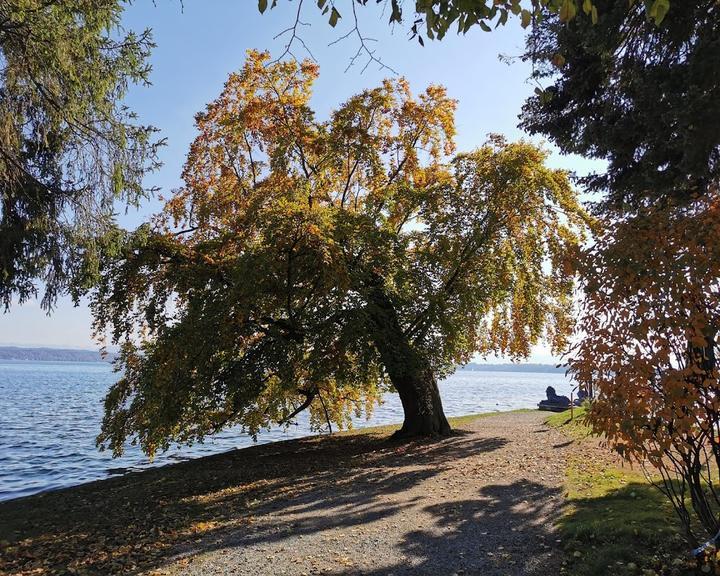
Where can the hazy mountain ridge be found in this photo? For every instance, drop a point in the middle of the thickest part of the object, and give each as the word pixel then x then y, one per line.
pixel 42 354
pixel 533 367
pixel 39 354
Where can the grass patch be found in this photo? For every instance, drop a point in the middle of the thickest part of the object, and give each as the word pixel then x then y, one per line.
pixel 460 420
pixel 571 422
pixel 616 522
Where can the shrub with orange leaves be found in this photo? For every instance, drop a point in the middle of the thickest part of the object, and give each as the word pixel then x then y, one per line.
pixel 650 319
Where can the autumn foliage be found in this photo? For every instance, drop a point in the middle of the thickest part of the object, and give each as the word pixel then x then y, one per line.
pixel 316 264
pixel 650 320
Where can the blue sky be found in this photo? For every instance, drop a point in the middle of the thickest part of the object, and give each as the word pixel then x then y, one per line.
pixel 200 43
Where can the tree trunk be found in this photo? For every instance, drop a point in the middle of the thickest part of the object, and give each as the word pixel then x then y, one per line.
pixel 409 372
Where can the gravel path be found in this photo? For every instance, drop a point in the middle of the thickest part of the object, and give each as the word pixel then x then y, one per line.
pixel 482 502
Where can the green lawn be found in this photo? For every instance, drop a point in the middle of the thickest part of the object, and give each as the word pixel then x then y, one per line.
pixel 574 427
pixel 616 522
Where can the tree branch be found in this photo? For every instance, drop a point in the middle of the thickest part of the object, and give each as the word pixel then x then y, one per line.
pixel 309 397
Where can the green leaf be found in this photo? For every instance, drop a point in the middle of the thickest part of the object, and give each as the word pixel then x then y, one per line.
pixel 658 10
pixel 469 23
pixel 430 21
pixel 568 10
pixel 587 6
pixel 321 3
pixel 525 18
pixel 334 17
pixel 396 13
pixel 262 6
pixel 502 20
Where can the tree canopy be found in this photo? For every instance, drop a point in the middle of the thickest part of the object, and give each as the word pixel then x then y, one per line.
pixel 68 147
pixel 632 83
pixel 643 97
pixel 434 18
pixel 315 263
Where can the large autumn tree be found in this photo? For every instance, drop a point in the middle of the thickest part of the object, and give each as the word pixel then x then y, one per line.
pixel 69 148
pixel 315 264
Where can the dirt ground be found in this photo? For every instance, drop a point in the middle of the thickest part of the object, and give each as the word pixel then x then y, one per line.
pixel 483 501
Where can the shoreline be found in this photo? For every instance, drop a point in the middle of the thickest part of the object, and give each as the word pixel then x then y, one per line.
pixel 375 429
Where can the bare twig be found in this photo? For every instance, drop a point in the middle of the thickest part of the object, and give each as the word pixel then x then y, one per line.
pixel 327 416
pixel 293 31
pixel 363 47
pixel 363 50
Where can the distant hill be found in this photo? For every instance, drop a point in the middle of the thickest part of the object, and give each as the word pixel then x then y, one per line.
pixel 51 354
pixel 71 355
pixel 513 368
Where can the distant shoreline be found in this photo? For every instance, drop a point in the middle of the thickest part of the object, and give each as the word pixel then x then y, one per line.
pixel 508 367
pixel 40 354
pixel 44 354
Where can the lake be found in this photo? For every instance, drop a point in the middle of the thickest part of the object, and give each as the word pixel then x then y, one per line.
pixel 50 414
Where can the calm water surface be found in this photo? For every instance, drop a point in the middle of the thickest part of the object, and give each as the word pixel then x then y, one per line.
pixel 50 414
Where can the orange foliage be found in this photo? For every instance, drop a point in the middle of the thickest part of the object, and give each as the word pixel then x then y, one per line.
pixel 650 321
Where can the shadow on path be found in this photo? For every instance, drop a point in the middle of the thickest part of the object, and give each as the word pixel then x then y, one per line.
pixel 145 520
pixel 506 530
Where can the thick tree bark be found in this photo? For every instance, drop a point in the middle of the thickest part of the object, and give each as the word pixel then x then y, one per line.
pixel 409 372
